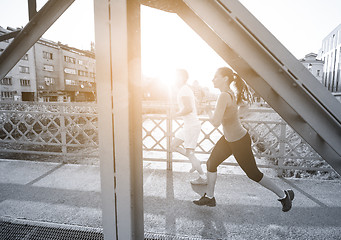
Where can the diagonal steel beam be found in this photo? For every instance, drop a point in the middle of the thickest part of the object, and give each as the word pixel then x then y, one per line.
pixel 301 102
pixel 31 33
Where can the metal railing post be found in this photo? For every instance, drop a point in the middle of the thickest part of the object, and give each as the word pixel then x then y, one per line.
pixel 169 138
pixel 63 134
pixel 281 148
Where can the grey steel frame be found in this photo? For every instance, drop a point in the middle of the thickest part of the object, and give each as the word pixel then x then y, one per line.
pixel 118 68
pixel 117 31
pixel 236 36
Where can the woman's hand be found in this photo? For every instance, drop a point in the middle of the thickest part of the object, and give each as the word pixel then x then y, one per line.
pixel 223 100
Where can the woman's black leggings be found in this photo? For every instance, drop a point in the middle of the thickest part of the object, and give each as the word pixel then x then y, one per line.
pixel 241 150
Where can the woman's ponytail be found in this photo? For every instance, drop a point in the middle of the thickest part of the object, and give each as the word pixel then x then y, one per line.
pixel 243 91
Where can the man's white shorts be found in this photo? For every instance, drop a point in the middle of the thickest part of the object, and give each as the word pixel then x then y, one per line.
pixel 190 135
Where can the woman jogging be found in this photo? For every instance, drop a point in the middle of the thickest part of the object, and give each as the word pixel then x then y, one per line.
pixel 235 140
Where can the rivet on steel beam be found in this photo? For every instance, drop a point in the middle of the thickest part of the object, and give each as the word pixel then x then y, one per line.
pixel 294 84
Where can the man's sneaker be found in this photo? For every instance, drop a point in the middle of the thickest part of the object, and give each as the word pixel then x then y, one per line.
pixel 199 181
pixel 205 201
pixel 286 202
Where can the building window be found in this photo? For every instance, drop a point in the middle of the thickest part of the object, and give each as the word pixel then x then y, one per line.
pixel 70 59
pixel 47 55
pixel 318 72
pixel 70 82
pixel 7 95
pixel 6 81
pixel 49 81
pixel 82 73
pixel 25 57
pixel 82 62
pixel 25 82
pixel 70 71
pixel 310 66
pixel 24 69
pixel 48 68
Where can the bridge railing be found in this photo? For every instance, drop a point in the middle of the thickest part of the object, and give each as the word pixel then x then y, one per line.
pixel 272 140
pixel 71 129
pixel 57 129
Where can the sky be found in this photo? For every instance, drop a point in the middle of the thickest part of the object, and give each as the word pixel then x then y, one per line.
pixel 168 43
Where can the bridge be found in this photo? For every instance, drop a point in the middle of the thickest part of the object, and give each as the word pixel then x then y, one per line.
pixel 234 34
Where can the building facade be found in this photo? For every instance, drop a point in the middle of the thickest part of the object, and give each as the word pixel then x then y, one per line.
pixel 78 74
pixel 50 72
pixel 314 65
pixel 330 54
pixel 20 83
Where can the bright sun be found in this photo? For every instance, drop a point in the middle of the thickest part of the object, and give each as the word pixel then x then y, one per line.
pixel 168 43
pixel 161 51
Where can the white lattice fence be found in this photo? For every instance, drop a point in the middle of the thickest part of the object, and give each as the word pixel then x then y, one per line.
pixel 72 130
pixel 49 128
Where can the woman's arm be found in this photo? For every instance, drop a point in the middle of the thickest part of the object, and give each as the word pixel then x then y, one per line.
pixel 223 101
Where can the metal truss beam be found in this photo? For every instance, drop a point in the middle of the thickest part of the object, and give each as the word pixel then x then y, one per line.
pixel 164 5
pixel 31 33
pixel 271 70
pixel 32 9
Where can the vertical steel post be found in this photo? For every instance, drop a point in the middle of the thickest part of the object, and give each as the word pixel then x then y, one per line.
pixel 281 148
pixel 117 29
pixel 32 8
pixel 135 116
pixel 169 137
pixel 105 119
pixel 63 133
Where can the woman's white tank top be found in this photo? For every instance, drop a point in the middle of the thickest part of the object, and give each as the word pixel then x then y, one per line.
pixel 233 129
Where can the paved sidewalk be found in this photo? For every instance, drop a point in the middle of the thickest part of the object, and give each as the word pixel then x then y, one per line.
pixel 70 194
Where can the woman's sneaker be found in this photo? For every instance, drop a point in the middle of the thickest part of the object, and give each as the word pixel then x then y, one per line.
pixel 199 181
pixel 205 201
pixel 287 201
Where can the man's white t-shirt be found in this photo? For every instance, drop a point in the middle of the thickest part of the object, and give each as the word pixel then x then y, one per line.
pixel 190 119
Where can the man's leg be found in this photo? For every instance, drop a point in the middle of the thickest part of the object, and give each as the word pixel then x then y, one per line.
pixel 175 146
pixel 196 165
